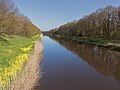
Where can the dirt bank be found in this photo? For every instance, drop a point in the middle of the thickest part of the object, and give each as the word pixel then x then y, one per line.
pixel 31 72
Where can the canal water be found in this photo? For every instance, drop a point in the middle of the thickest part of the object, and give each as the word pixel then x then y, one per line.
pixel 70 65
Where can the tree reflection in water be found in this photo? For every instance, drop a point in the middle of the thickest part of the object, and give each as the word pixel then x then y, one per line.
pixel 105 61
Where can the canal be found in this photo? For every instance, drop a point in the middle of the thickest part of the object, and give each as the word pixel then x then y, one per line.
pixel 70 65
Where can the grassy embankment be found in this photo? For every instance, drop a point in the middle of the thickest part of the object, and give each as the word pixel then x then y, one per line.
pixel 14 52
pixel 110 44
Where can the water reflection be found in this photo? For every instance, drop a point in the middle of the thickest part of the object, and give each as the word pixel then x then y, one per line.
pixel 105 61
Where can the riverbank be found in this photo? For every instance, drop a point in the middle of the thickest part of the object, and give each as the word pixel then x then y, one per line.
pixel 109 44
pixel 31 72
pixel 17 53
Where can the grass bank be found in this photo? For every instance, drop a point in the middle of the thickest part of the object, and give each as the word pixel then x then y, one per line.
pixel 31 74
pixel 14 52
pixel 110 44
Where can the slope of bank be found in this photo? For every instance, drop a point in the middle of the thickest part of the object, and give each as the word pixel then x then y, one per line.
pixel 31 72
pixel 109 44
pixel 14 57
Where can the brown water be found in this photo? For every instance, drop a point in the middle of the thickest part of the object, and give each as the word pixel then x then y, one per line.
pixel 72 66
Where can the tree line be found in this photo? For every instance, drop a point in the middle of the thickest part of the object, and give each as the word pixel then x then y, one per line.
pixel 103 23
pixel 12 22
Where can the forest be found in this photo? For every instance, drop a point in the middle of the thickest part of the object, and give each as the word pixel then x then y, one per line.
pixel 104 23
pixel 12 22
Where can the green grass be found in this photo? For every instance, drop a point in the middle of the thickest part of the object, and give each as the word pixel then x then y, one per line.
pixel 14 52
pixel 90 40
pixel 10 47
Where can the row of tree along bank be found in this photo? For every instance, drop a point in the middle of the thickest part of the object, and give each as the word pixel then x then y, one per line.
pixel 100 27
pixel 12 22
pixel 20 54
pixel 104 23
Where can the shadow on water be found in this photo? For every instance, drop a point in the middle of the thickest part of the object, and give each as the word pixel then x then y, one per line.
pixel 104 61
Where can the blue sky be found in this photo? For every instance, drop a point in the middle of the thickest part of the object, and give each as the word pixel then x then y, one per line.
pixel 48 14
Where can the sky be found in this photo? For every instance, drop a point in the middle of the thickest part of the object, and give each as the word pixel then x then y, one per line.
pixel 49 14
